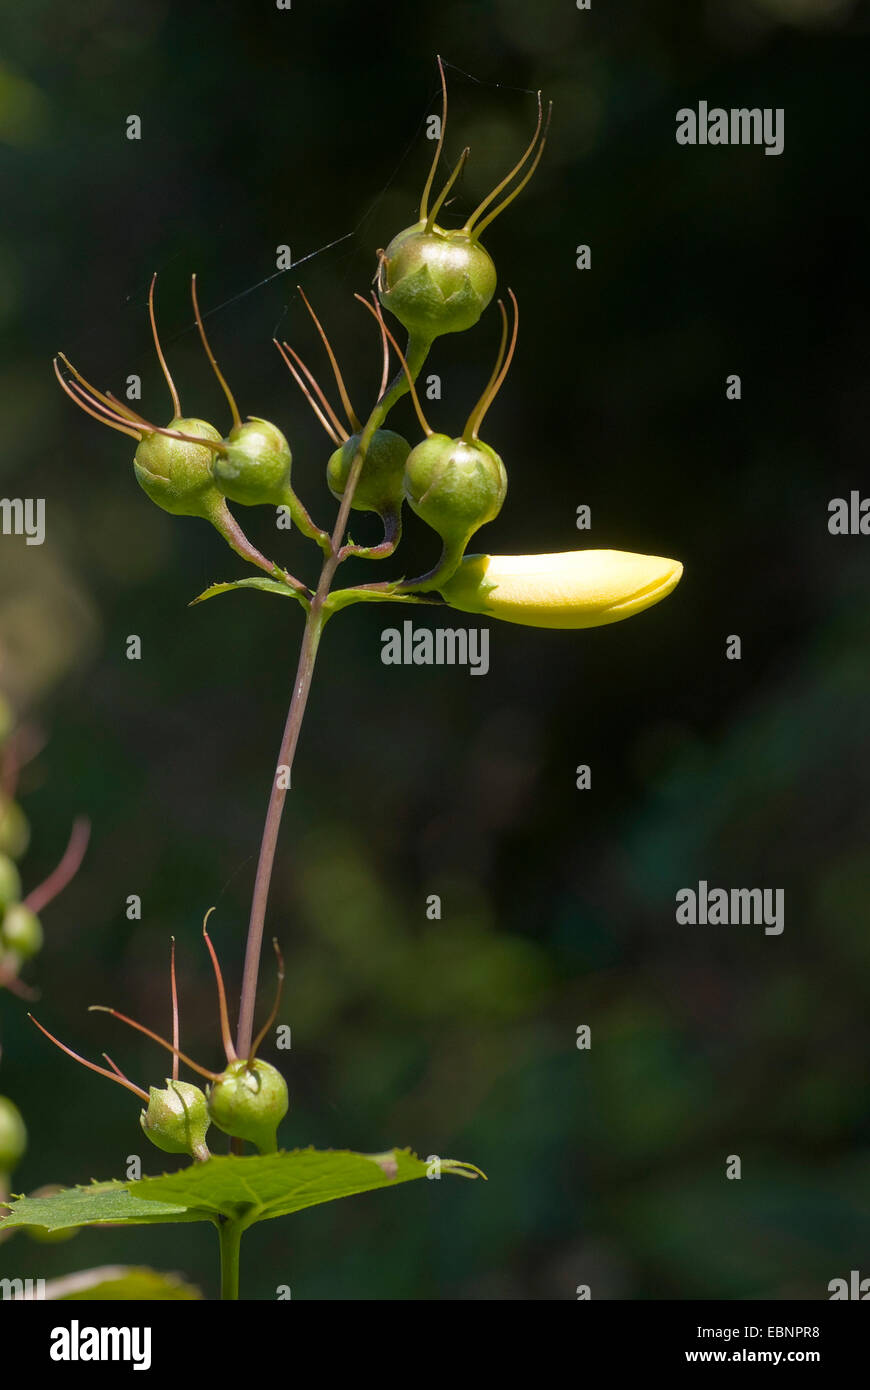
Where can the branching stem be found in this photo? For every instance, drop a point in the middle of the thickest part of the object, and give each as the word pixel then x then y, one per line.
pixel 315 622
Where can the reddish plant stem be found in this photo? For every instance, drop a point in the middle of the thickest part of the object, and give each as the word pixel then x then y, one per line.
pixel 277 797
pixel 315 622
pixel 45 892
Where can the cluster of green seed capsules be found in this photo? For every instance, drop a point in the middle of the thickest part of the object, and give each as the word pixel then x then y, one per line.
pixel 247 1100
pixel 435 281
pixel 21 934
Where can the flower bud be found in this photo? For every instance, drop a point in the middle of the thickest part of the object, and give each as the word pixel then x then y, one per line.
pixel 435 281
pixel 21 931
pixel 14 829
pixel 10 882
pixel 249 1101
pixel 13 1135
pixel 177 474
pixel 455 486
pixel 574 589
pixel 177 1119
pixel 254 470
pixel 379 487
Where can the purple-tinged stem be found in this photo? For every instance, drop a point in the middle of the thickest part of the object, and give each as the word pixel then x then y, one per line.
pixel 314 624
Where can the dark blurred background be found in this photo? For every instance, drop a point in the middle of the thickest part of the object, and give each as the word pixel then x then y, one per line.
pixel 457 1037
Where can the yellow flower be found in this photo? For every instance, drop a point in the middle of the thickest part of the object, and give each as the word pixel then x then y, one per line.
pixel 576 588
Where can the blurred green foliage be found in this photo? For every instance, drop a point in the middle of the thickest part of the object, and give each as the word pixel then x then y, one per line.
pixel 458 1037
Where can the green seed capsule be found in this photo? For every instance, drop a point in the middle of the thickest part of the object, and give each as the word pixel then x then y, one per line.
pixel 435 281
pixel 14 829
pixel 13 1135
pixel 380 484
pixel 249 1102
pixel 255 469
pixel 455 486
pixel 177 1119
pixel 10 882
pixel 10 964
pixel 21 931
pixel 177 474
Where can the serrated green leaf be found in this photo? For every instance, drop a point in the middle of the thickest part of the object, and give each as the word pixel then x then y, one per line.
pixel 248 1190
pixel 272 586
pixel 121 1283
pixel 101 1202
pixel 259 1188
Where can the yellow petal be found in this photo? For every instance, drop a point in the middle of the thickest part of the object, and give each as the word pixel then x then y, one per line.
pixel 576 588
